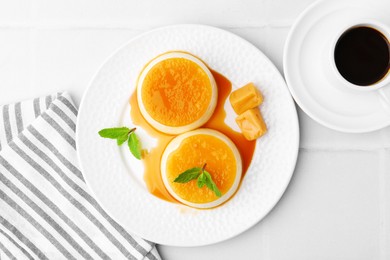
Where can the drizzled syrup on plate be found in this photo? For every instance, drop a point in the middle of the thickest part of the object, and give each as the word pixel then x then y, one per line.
pixel 152 159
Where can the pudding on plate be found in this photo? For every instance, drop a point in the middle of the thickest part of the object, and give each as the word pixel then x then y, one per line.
pixel 196 149
pixel 176 93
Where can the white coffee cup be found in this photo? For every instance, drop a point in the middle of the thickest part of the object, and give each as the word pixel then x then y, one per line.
pixel 382 86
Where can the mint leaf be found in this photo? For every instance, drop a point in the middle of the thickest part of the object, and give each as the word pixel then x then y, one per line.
pixel 211 185
pixel 134 145
pixel 121 139
pixel 114 133
pixel 188 175
pixel 201 180
pixel 123 134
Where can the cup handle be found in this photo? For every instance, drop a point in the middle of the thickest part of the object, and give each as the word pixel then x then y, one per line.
pixel 385 97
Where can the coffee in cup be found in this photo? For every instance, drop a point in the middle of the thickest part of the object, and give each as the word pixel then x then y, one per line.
pixel 362 55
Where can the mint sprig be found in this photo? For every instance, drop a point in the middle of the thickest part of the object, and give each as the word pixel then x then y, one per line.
pixel 123 134
pixel 188 175
pixel 202 178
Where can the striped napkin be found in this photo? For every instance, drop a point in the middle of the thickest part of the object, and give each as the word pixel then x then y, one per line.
pixel 46 210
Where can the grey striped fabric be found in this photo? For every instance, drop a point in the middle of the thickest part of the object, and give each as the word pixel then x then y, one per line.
pixel 46 210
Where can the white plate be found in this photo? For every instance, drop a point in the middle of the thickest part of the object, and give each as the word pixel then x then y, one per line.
pixel 116 178
pixel 313 84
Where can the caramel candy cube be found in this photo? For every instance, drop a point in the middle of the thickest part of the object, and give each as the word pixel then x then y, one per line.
pixel 252 124
pixel 245 98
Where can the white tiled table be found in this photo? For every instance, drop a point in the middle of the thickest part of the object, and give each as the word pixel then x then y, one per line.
pixel 338 203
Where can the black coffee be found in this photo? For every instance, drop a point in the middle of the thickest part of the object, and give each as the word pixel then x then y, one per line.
pixel 362 55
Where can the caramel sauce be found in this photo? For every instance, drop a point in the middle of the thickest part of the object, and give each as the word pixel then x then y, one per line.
pixel 217 122
pixel 152 159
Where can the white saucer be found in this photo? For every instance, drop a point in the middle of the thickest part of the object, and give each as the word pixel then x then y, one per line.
pixel 314 86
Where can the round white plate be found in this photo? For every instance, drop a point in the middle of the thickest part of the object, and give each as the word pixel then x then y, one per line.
pixel 115 177
pixel 307 61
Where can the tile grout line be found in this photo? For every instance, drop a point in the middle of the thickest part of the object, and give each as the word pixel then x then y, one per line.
pixel 123 26
pixel 384 182
pixel 32 60
pixel 265 243
pixel 345 149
